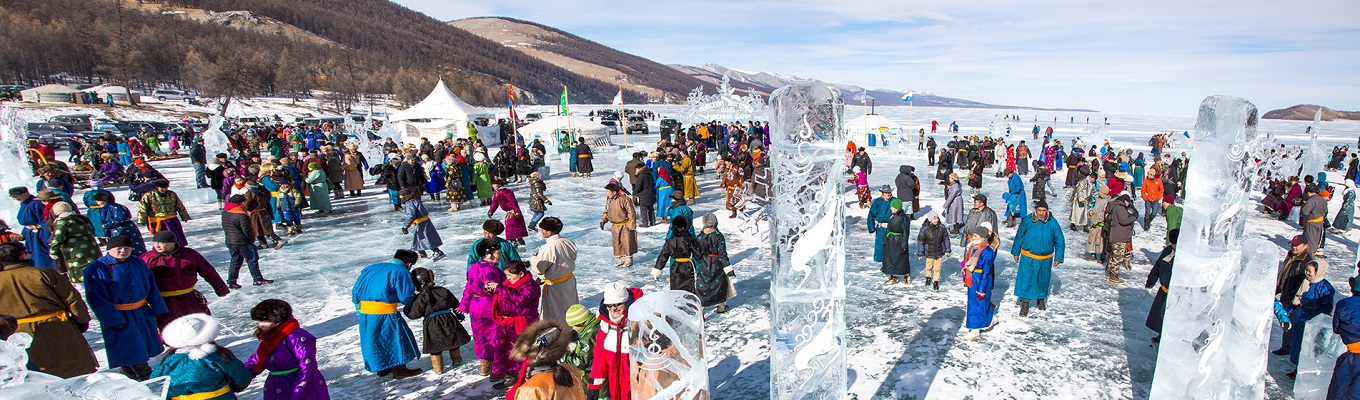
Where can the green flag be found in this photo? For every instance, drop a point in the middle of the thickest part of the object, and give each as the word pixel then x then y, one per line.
pixel 562 104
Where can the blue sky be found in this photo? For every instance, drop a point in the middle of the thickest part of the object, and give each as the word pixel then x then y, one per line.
pixel 1145 57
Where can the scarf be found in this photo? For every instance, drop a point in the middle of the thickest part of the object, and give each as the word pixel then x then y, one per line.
pixel 970 260
pixel 519 322
pixel 270 341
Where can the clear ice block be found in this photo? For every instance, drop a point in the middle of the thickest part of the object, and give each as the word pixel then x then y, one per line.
pixel 1218 311
pixel 667 347
pixel 807 289
pixel 1317 358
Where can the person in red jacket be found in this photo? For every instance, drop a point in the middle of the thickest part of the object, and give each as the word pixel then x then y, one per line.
pixel 611 363
pixel 177 270
pixel 1153 192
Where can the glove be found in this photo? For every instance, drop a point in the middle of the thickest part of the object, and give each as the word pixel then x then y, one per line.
pixel 656 274
pixel 979 295
pixel 1286 325
pixel 602 225
pixel 548 201
pixel 593 394
pixel 83 327
pixel 731 272
pixel 118 327
pixel 405 231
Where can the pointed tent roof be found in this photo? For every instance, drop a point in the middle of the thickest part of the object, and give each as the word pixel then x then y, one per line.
pixel 440 104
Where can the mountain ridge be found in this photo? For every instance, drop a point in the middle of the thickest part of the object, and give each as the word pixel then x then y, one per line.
pixel 1305 112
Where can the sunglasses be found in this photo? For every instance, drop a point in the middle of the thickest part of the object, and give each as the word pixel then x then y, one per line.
pixel 613 305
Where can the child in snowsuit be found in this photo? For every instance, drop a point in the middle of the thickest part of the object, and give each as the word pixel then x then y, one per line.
pixel 289 201
pixel 443 327
pixel 933 245
pixel 538 202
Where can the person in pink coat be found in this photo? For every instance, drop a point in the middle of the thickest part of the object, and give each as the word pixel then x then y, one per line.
pixel 504 199
pixel 515 307
pixel 478 303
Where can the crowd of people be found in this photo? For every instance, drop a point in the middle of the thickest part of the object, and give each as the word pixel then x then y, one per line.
pixel 524 319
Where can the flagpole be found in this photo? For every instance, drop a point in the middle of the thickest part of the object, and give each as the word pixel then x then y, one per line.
pixel 514 122
pixel 562 108
pixel 625 127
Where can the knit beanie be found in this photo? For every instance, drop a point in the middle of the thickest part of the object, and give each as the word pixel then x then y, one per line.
pixel 896 204
pixel 577 315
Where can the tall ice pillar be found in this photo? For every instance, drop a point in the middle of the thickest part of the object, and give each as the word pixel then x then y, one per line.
pixel 1219 306
pixel 807 288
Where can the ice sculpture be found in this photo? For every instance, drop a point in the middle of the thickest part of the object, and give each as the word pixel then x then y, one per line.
pixel 667 347
pixel 1218 310
pixel 373 149
pixel 106 385
pixel 807 288
pixel 1315 159
pixel 15 171
pixel 197 196
pixel 1317 358
pixel 724 106
pixel 214 140
pixel 13 359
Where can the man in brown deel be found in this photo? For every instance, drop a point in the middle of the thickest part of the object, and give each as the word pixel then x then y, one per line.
pixel 50 309
pixel 618 210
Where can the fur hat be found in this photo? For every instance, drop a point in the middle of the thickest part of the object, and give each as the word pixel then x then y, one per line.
pixel 478 157
pixel 615 293
pixel 272 310
pixel 855 169
pixel 61 208
pixel 711 221
pixel 680 225
pixel 192 334
pixel 543 343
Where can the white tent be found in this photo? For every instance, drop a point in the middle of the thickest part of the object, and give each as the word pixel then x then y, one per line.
pixel 872 124
pixel 442 114
pixel 545 130
pixel 119 93
pixel 50 94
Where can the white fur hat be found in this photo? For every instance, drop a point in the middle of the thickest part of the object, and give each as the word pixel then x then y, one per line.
pixel 478 157
pixel 855 169
pixel 192 334
pixel 615 293
pixel 618 175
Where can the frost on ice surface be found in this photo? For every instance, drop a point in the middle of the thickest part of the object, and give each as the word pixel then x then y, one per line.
pixel 1317 358
pixel 14 172
pixel 807 307
pixel 197 196
pixel 107 385
pixel 1315 159
pixel 667 347
pixel 1218 308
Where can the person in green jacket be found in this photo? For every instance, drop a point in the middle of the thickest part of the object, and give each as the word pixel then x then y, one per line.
pixel 586 325
pixel 1173 215
pixel 481 177
pixel 276 148
pixel 72 245
pixel 197 367
pixel 320 188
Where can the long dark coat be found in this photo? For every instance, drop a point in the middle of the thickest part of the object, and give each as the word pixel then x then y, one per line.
pixel 443 332
pixel 712 280
pixel 1160 276
pixel 583 157
pixel 680 246
pixel 896 261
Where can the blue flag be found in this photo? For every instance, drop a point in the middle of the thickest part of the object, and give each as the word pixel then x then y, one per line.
pixel 906 98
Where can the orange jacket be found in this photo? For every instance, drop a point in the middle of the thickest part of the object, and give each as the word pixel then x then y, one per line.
pixel 1152 189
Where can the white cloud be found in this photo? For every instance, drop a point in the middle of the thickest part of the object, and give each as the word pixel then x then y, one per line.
pixel 1153 56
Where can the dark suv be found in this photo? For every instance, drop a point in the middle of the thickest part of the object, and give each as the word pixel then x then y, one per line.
pixel 637 124
pixel 669 126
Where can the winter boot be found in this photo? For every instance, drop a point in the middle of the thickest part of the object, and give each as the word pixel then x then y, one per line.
pixel 263 282
pixel 734 214
pixel 455 357
pixel 437 363
pixel 506 383
pixel 1042 305
pixel 1024 308
pixel 396 207
pixel 928 281
pixel 722 308
pixel 455 206
pixel 935 285
pixel 485 368
pixel 892 280
pixel 279 242
pixel 627 261
pixel 138 372
pixel 424 254
pixel 618 262
pixel 402 371
pixel 973 334
pixel 438 255
pixel 533 225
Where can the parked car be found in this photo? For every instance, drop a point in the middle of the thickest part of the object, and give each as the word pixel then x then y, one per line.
pixel 531 117
pixel 637 124
pixel 611 127
pixel 170 94
pixel 67 123
pixel 670 126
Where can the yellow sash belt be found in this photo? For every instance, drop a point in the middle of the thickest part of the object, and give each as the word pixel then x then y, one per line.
pixel 180 292
pixel 1026 253
pixel 421 219
pixel 680 260
pixel 153 223
pixel 61 315
pixel 130 306
pixel 1318 219
pixel 622 223
pixel 564 278
pixel 377 307
pixel 204 395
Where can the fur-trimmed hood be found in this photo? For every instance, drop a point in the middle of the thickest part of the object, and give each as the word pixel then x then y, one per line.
pixel 543 343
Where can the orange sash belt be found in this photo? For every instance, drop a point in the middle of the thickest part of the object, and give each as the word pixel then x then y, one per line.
pixel 1353 347
pixel 1026 253
pixel 153 223
pixel 131 306
pixel 60 315
pixel 377 307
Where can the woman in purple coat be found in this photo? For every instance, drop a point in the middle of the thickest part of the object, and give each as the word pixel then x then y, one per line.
pixel 477 304
pixel 515 231
pixel 515 307
pixel 288 352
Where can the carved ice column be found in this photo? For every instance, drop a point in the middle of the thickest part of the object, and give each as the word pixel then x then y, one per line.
pixel 14 168
pixel 1219 306
pixel 667 347
pixel 807 288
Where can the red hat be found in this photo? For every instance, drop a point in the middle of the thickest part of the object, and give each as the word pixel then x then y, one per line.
pixel 1170 198
pixel 1298 240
